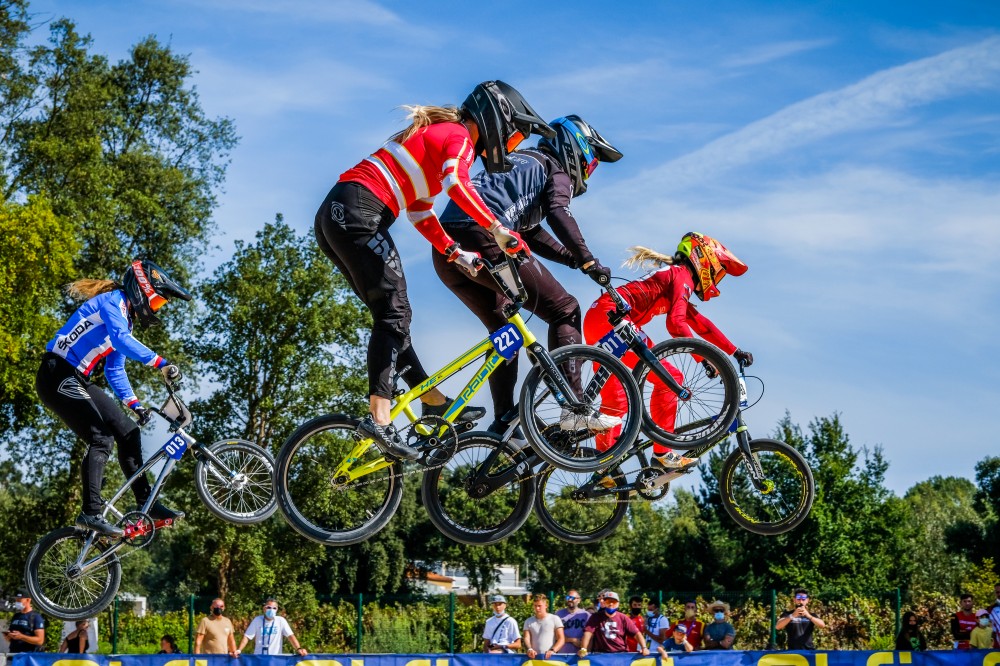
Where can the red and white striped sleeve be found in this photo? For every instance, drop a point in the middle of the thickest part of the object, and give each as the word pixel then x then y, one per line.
pixel 421 214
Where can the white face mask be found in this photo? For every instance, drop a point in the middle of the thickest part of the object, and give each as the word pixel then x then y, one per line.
pixel 18 606
pixel 984 621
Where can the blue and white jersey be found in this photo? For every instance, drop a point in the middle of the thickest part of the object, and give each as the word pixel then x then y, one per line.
pixel 516 197
pixel 101 327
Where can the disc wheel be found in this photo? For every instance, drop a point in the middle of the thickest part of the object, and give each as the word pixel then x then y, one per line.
pixel 579 520
pixel 787 497
pixel 241 490
pixel 69 578
pixel 328 510
pixel 450 497
pixel 705 417
pixel 573 449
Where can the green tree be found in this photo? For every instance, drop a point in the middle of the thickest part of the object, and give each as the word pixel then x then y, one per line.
pixel 935 507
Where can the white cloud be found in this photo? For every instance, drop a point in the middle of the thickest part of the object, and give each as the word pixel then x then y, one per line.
pixel 859 106
pixel 314 11
pixel 766 53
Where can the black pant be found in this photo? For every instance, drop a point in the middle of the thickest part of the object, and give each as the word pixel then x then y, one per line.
pixel 546 298
pixel 352 229
pixel 98 420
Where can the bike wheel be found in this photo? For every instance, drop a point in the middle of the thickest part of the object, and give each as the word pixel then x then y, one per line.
pixel 242 490
pixel 783 504
pixel 706 416
pixel 573 450
pixel 61 588
pixel 319 507
pixel 449 498
pixel 578 520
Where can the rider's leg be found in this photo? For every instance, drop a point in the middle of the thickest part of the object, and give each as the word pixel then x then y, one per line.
pixel 663 404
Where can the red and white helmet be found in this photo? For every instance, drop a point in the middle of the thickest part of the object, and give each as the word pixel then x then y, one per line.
pixel 711 262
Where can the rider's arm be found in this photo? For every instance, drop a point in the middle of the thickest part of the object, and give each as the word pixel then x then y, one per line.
pixel 115 320
pixel 546 246
pixel 458 158
pixel 421 214
pixel 704 327
pixel 558 193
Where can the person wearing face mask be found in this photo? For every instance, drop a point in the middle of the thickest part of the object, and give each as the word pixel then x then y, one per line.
pixel 799 623
pixel 27 628
pixel 573 618
pixel 654 625
pixel 719 634
pixel 694 628
pixel 981 638
pixel 607 629
pixel 215 634
pixel 910 637
pixel 267 631
pixel 501 634
pixel 635 613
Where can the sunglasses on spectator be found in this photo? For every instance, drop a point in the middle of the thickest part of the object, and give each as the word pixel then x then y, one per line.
pixel 571 598
pixel 800 596
pixel 610 602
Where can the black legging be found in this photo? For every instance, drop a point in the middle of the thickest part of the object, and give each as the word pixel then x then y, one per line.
pixel 546 298
pixel 98 420
pixel 352 229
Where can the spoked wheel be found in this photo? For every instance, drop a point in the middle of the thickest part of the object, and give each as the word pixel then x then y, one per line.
pixel 326 508
pixel 461 510
pixel 705 417
pixel 241 490
pixel 69 578
pixel 579 519
pixel 787 494
pixel 563 438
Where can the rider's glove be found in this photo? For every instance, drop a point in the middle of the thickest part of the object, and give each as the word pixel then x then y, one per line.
pixel 171 373
pixel 598 273
pixel 142 414
pixel 470 262
pixel 710 370
pixel 744 358
pixel 509 241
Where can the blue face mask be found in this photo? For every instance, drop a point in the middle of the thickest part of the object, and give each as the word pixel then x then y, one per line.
pixel 270 613
pixel 720 615
pixel 650 614
pixel 610 610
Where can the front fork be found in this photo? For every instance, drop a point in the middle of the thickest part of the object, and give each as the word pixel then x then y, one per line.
pixel 757 477
pixel 556 382
pixel 626 330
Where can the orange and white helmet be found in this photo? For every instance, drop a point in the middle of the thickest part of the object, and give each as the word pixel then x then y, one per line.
pixel 711 262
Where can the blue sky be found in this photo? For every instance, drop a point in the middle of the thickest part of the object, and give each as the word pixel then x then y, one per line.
pixel 849 152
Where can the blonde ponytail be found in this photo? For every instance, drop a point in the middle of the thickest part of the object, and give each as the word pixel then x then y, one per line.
pixel 422 116
pixel 643 257
pixel 87 288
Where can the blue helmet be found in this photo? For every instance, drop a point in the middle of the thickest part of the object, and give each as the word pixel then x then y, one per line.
pixel 579 148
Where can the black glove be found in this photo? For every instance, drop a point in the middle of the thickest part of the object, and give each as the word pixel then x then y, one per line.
pixel 744 358
pixel 598 273
pixel 142 414
pixel 171 373
pixel 710 370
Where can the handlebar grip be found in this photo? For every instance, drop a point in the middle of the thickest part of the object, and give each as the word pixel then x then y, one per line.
pixel 478 263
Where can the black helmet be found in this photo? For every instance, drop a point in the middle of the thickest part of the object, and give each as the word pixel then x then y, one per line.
pixel 579 148
pixel 147 288
pixel 504 119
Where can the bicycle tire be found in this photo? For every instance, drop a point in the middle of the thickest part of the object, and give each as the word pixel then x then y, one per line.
pixel 704 418
pixel 578 521
pixel 243 493
pixel 310 500
pixel 471 521
pixel 739 497
pixel 52 589
pixel 542 429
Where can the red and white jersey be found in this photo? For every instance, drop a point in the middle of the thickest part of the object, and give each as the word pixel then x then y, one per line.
pixel 410 174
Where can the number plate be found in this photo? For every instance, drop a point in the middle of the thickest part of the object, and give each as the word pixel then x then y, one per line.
pixel 614 344
pixel 507 340
pixel 175 447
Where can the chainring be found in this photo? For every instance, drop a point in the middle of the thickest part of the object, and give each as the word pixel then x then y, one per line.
pixel 434 437
pixel 139 529
pixel 645 484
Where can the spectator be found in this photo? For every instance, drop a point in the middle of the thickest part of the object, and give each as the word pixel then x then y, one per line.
pixel 168 645
pixel 77 641
pixel 798 624
pixel 635 614
pixel 543 632
pixel 608 628
pixel 215 634
pixel 719 634
pixel 995 616
pixel 678 642
pixel 910 637
pixel 500 635
pixel 963 622
pixel 267 632
pixel 694 628
pixel 26 632
pixel 656 625
pixel 981 638
pixel 573 618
